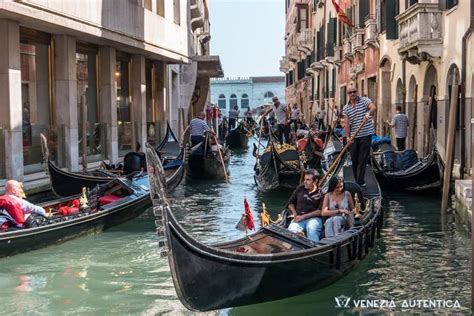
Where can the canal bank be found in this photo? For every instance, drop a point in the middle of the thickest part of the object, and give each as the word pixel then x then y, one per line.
pixel 421 255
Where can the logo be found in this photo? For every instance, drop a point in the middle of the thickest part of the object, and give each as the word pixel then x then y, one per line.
pixel 342 301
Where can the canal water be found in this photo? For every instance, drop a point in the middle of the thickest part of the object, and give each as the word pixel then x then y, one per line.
pixel 422 255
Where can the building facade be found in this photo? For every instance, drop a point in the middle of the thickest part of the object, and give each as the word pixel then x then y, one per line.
pixel 246 92
pixel 401 52
pixel 96 77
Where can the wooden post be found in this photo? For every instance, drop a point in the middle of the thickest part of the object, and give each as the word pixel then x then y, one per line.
pixel 428 123
pixel 84 133
pixel 450 144
pixel 415 108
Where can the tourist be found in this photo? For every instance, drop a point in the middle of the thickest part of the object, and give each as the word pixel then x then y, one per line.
pixel 400 123
pixel 337 206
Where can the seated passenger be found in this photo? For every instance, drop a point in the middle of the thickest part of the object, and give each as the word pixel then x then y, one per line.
pixel 12 196
pixel 337 205
pixel 305 207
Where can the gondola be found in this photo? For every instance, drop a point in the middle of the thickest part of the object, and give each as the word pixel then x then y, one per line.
pixel 270 264
pixel 238 137
pixel 278 167
pixel 65 183
pixel 205 163
pixel 420 174
pixel 108 205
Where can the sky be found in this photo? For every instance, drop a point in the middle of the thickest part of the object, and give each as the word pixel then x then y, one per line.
pixel 248 36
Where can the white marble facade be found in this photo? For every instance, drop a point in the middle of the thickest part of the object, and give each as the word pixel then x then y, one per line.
pixel 258 89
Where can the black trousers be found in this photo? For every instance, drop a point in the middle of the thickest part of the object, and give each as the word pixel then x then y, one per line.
pixel 360 151
pixel 401 144
pixel 196 139
pixel 231 123
pixel 294 123
pixel 283 130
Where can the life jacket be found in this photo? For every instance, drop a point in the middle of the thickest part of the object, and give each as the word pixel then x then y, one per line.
pixel 13 208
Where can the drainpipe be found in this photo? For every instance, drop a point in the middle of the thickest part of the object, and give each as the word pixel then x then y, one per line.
pixel 465 38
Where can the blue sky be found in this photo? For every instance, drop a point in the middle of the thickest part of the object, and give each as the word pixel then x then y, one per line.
pixel 248 36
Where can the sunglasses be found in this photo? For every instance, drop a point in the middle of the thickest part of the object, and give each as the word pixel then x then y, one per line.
pixel 351 92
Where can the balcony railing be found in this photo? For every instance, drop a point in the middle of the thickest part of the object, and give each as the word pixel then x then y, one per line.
pixel 357 40
pixel 197 14
pixel 338 57
pixel 371 31
pixel 420 30
pixel 347 48
pixel 285 65
pixel 305 41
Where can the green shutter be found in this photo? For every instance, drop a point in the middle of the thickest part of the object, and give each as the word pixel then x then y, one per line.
pixel 391 7
pixel 364 11
pixel 331 37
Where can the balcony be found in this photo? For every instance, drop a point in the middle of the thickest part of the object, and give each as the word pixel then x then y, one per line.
pixel 305 41
pixel 338 57
pixel 317 66
pixel 285 65
pixel 197 14
pixel 371 31
pixel 357 40
pixel 292 47
pixel 347 49
pixel 420 31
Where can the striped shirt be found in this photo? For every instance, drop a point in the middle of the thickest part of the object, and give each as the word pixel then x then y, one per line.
pixel 356 115
pixel 400 123
pixel 198 127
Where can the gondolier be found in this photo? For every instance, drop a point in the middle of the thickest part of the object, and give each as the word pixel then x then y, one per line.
pixel 400 123
pixel 198 126
pixel 358 111
pixel 281 114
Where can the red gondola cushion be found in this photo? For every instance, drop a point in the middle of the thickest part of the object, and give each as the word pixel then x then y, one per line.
pixel 106 199
pixel 67 210
pixel 13 208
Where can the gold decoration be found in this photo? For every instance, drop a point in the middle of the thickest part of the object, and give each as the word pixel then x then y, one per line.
pixel 22 192
pixel 358 206
pixel 265 218
pixel 83 199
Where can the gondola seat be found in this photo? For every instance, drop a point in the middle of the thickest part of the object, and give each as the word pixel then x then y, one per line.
pixel 107 199
pixel 173 164
pixel 395 161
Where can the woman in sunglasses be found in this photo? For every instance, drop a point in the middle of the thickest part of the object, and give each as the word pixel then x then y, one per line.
pixel 337 206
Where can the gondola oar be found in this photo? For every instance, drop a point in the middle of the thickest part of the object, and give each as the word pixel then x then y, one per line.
pixel 343 151
pixel 221 159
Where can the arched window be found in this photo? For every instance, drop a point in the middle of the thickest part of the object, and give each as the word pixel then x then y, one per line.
pixel 269 94
pixel 222 102
pixel 233 100
pixel 244 102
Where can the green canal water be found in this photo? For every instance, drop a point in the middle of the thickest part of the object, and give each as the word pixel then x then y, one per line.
pixel 422 255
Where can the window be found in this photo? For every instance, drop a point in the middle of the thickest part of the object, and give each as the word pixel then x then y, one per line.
pixel 233 101
pixel 301 70
pixel 147 4
pixel 302 18
pixel 331 36
pixel 409 3
pixel 177 11
pixel 388 23
pixel 364 11
pixel 124 122
pixel 87 101
pixel 160 7
pixel 244 102
pixel 35 97
pixel 269 94
pixel 222 102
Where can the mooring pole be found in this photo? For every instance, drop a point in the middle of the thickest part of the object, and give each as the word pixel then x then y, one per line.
pixel 450 143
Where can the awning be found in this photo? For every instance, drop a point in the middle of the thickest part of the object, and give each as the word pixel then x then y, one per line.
pixel 209 66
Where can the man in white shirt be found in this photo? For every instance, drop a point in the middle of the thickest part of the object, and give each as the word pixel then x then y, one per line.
pixel 281 115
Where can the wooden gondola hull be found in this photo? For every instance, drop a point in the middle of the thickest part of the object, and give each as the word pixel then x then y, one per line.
pixel 23 240
pixel 237 282
pixel 237 139
pixel 199 167
pixel 425 177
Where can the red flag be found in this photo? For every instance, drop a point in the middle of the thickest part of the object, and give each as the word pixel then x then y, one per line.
pixel 248 216
pixel 342 16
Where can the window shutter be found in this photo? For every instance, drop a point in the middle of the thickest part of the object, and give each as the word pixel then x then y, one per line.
pixel 364 9
pixel 391 7
pixel 331 37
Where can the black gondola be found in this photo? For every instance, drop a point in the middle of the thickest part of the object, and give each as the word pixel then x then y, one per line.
pixel 238 137
pixel 129 201
pixel 420 175
pixel 65 183
pixel 205 163
pixel 278 170
pixel 270 264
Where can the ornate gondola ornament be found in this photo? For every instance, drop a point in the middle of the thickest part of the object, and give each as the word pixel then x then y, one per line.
pixel 84 202
pixel 357 207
